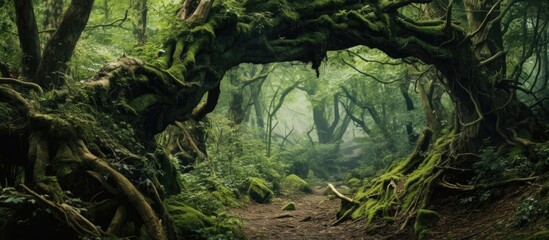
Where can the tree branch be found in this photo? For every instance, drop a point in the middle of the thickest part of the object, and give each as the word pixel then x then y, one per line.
pixel 369 75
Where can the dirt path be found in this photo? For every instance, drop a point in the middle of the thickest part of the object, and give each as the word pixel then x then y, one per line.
pixel 312 219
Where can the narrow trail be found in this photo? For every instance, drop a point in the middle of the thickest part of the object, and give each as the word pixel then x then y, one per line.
pixel 312 219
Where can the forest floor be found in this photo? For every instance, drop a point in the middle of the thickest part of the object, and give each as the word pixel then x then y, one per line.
pixel 312 219
pixel 315 214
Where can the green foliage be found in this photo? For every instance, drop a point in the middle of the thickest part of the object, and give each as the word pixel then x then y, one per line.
pixel 492 166
pixel 323 160
pixel 530 210
pixel 198 186
pixel 541 153
pixel 235 158
pixel 10 53
pixel 190 223
pixel 235 154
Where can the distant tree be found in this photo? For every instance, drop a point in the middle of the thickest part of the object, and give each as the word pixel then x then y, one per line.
pixel 329 125
pixel 244 80
pixel 140 23
pixel 273 105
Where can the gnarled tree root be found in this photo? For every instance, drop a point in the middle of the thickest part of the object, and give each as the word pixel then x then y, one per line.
pixel 406 186
pixel 485 186
pixel 68 214
pixel 127 189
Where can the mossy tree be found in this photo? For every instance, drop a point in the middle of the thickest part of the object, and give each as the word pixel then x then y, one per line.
pixel 61 148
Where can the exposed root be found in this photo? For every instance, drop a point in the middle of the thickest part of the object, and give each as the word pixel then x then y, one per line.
pixel 407 186
pixel 101 179
pixel 117 220
pixel 151 222
pixel 14 98
pixel 39 155
pixel 192 142
pixel 14 81
pixel 461 187
pixel 69 215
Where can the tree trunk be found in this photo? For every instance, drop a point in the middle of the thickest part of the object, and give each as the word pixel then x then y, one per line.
pixel 59 49
pixel 28 36
pixel 403 87
pixel 140 25
pixel 236 102
pixel 52 17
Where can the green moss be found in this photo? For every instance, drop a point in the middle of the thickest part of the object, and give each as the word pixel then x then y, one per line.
pixel 258 191
pixel 292 184
pixel 379 197
pixel 289 207
pixel 244 29
pixel 225 196
pixel 187 221
pixel 424 219
pixel 170 179
pixel 354 183
pixel 206 29
pixel 143 102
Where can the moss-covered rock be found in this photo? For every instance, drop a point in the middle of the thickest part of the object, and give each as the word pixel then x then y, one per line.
pixel 292 184
pixel 258 191
pixel 424 219
pixel 187 221
pixel 289 207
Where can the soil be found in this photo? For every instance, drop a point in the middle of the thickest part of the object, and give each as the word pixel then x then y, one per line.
pixel 489 220
pixel 315 214
pixel 312 219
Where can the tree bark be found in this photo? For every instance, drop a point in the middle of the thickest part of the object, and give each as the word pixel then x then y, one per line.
pixel 28 36
pixel 140 25
pixel 403 87
pixel 52 17
pixel 59 49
